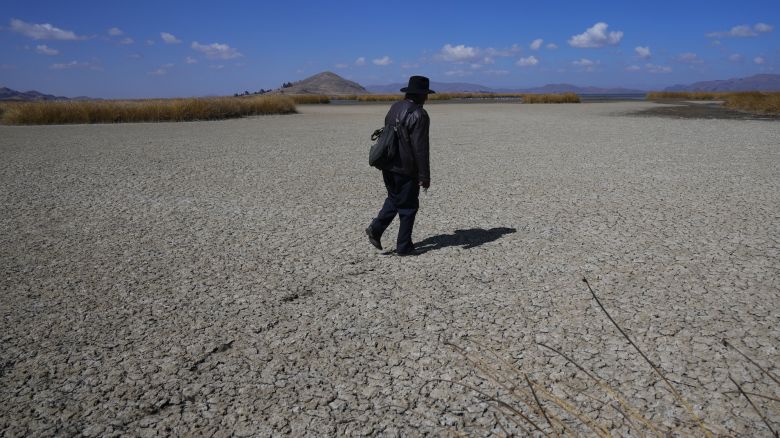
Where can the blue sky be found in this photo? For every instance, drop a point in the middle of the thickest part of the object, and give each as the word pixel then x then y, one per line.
pixel 194 48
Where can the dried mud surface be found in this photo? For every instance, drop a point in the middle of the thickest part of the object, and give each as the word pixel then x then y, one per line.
pixel 213 278
pixel 701 110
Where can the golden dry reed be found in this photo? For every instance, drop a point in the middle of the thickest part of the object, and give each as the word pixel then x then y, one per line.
pixel 526 98
pixel 551 98
pixel 677 95
pixel 750 101
pixel 302 99
pixel 755 102
pixel 150 110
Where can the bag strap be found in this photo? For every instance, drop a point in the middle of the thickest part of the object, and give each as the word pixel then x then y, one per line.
pixel 404 116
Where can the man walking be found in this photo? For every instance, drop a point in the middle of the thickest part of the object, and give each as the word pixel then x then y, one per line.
pixel 410 169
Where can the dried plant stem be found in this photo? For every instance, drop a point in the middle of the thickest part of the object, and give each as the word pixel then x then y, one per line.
pixel 592 425
pixel 771 376
pixel 498 377
pixel 530 386
pixel 753 405
pixel 613 393
pixel 499 402
pixel 676 394
pixel 755 395
pixel 495 417
pixel 550 415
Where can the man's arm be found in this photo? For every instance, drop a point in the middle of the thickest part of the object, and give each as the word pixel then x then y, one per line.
pixel 421 147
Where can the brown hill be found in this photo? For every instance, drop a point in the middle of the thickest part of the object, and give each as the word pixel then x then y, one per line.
pixel 324 83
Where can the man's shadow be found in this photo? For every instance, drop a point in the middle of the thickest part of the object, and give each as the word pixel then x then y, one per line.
pixel 468 239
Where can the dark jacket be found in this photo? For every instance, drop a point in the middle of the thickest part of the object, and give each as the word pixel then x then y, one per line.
pixel 413 158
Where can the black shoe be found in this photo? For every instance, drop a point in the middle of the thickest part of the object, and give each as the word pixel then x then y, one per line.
pixel 374 241
pixel 411 252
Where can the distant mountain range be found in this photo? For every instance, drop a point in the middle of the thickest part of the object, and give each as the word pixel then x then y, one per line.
pixel 332 84
pixel 463 87
pixel 763 82
pixel 7 94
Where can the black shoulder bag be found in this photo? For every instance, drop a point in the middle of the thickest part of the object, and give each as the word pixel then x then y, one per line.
pixel 385 149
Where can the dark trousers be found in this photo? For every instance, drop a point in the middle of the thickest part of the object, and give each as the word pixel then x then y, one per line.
pixel 403 195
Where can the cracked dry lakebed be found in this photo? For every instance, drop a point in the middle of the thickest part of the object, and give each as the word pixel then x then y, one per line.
pixel 214 278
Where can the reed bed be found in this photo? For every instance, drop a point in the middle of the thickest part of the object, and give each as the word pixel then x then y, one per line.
pixel 150 110
pixel 749 101
pixel 684 95
pixel 302 99
pixel 525 97
pixel 754 102
pixel 551 98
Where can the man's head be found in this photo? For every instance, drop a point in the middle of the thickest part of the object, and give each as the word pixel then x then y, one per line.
pixel 419 99
pixel 418 89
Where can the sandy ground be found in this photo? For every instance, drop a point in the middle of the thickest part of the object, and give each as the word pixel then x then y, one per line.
pixel 214 277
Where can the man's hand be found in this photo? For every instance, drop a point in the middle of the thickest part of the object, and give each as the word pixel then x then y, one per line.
pixel 424 184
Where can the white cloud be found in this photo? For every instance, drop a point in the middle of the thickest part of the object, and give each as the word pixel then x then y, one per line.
pixel 162 70
pixel 43 49
pixel 476 66
pixel 216 50
pixel 496 72
pixel 689 58
pixel 584 62
pixel 759 60
pixel 169 38
pixel 536 44
pixel 491 52
pixel 217 66
pixel 743 31
pixel 149 42
pixel 126 41
pixel 735 57
pixel 633 68
pixel 643 52
pixel 552 46
pixel 341 66
pixel 43 31
pixel 360 61
pixel 459 53
pixel 190 60
pixel 458 73
pixel 75 64
pixel 527 62
pixel 654 68
pixel 595 37
pixel 409 65
pixel 115 31
pixel 385 60
pixel 135 56
pixel 66 65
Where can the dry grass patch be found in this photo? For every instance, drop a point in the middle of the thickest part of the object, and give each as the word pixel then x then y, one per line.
pixel 684 95
pixel 151 110
pixel 754 102
pixel 750 101
pixel 302 99
pixel 527 98
pixel 551 98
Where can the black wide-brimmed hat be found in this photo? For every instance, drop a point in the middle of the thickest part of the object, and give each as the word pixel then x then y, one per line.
pixel 418 85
